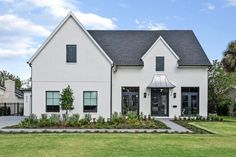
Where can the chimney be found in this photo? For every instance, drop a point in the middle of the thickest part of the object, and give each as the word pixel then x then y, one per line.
pixel 10 86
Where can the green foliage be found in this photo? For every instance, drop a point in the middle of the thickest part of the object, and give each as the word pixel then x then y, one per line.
pixel 74 120
pixel 219 84
pixel 100 120
pixel 29 122
pixel 229 59
pixel 66 100
pixel 4 75
pixel 117 118
pixel 132 115
pixel 86 120
pixel 54 119
pixel 232 108
pixel 43 121
pixel 118 122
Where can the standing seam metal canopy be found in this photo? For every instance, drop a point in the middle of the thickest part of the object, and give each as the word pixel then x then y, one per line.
pixel 160 81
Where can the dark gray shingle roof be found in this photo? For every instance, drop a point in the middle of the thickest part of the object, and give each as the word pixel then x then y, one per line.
pixel 126 47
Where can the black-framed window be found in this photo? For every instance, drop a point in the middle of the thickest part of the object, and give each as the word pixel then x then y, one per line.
pixel 52 101
pixel 90 101
pixel 160 63
pixel 71 53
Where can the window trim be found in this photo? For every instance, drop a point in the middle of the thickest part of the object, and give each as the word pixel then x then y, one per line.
pixel 87 111
pixel 51 105
pixel 67 45
pixel 163 63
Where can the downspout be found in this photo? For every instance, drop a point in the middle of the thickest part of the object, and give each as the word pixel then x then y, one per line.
pixel 111 91
pixel 31 98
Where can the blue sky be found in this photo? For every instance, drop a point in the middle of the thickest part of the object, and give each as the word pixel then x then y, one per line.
pixel 25 24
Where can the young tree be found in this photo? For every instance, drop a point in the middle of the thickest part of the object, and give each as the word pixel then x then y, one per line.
pixel 66 100
pixel 229 59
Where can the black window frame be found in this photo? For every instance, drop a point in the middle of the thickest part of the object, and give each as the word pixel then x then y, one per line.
pixel 160 59
pixel 67 53
pixel 52 108
pixel 91 108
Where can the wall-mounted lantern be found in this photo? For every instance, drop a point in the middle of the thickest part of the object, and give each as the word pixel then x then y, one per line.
pixel 174 95
pixel 145 95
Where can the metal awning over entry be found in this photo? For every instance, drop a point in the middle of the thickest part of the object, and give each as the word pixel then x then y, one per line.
pixel 160 81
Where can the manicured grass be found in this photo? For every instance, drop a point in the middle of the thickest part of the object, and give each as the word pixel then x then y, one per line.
pixel 125 144
pixel 223 128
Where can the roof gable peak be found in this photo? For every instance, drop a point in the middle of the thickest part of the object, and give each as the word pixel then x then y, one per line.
pixel 70 14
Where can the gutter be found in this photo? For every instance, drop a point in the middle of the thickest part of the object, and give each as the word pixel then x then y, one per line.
pixel 112 66
pixel 31 89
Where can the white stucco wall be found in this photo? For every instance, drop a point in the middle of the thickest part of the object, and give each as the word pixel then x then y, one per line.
pixel 50 72
pixel 142 76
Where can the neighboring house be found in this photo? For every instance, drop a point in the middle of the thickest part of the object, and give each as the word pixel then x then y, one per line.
pixel 11 99
pixel 161 73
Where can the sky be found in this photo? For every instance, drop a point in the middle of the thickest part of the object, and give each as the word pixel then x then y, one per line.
pixel 26 24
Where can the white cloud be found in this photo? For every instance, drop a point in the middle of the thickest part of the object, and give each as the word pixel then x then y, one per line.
pixel 60 8
pixel 210 7
pixel 150 25
pixel 231 3
pixel 12 23
pixel 17 36
pixel 16 46
pixel 207 7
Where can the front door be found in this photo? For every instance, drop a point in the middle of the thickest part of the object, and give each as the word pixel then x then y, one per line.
pixel 190 104
pixel 130 99
pixel 159 102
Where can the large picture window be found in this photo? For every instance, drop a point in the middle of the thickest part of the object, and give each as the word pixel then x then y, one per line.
pixel 52 101
pixel 90 101
pixel 71 53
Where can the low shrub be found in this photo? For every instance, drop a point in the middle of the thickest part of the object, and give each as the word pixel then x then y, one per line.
pixel 132 115
pixel 73 120
pixel 54 119
pixel 100 120
pixel 86 120
pixel 30 121
pixel 117 118
pixel 43 121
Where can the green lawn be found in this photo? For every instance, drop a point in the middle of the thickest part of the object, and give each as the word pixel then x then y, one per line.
pixel 114 144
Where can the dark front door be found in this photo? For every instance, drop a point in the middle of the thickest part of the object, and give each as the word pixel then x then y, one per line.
pixel 130 99
pixel 159 102
pixel 190 102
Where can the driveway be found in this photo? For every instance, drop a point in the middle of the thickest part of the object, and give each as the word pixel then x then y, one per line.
pixel 9 120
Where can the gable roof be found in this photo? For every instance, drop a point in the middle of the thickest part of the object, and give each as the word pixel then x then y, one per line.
pixel 164 42
pixel 126 47
pixel 70 14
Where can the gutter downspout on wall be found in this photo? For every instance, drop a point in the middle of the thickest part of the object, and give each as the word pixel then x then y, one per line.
pixel 31 98
pixel 111 91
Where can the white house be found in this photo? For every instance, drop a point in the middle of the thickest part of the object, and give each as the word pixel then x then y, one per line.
pixel 161 73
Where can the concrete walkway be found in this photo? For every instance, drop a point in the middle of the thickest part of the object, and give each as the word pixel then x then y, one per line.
pixel 9 120
pixel 173 126
pixel 13 120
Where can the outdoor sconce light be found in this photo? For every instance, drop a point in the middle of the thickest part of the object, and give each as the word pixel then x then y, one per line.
pixel 145 95
pixel 174 95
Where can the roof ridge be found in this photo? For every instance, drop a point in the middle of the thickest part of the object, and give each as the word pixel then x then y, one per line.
pixel 133 30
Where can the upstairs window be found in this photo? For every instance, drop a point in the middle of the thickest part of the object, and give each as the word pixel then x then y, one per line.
pixel 52 101
pixel 71 53
pixel 160 62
